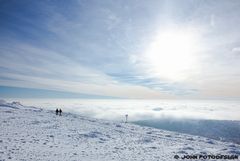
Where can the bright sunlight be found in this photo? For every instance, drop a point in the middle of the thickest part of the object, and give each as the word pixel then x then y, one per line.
pixel 172 54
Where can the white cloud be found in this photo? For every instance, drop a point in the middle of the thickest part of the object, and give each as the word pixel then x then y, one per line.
pixel 212 20
pixel 74 53
pixel 32 67
pixel 236 49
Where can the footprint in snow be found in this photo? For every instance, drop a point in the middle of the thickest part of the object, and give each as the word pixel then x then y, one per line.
pixel 203 152
pixel 191 139
pixel 93 134
pixel 149 132
pixel 35 122
pixel 119 131
pixel 182 152
pixel 210 142
pixel 145 140
pixel 234 151
pixel 102 139
pixel 232 146
pixel 153 147
pixel 188 148
pixel 51 136
pixel 8 111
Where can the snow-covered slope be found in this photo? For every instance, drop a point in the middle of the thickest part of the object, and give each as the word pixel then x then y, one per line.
pixel 36 134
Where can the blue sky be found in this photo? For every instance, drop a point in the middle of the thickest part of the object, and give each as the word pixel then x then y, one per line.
pixel 123 49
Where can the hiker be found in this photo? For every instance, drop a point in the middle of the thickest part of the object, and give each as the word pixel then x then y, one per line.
pixel 57 111
pixel 60 111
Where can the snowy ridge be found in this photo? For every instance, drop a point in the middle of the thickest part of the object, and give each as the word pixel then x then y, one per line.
pixel 11 105
pixel 34 134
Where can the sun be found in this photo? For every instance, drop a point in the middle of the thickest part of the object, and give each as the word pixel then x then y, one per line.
pixel 172 54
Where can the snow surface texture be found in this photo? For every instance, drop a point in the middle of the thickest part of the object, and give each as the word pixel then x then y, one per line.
pixel 29 133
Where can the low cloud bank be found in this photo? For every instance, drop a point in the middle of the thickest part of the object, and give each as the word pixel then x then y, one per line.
pixel 116 109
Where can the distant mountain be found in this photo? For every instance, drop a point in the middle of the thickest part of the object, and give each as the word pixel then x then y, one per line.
pixel 214 129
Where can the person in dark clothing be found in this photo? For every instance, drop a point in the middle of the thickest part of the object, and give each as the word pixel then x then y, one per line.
pixel 60 111
pixel 57 111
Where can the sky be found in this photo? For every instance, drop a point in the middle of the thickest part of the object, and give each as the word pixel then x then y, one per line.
pixel 156 49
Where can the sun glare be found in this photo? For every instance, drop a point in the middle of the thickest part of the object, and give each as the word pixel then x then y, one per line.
pixel 172 54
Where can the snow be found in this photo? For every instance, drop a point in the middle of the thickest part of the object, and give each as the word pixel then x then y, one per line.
pixel 29 133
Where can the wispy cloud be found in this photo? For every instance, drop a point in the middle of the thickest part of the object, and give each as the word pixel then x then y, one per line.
pixel 236 49
pixel 54 71
pixel 102 47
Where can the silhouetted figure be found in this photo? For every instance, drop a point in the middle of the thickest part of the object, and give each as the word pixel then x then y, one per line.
pixel 126 118
pixel 60 111
pixel 57 111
